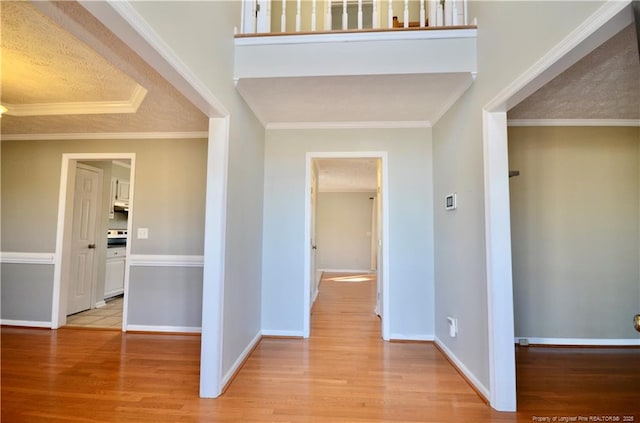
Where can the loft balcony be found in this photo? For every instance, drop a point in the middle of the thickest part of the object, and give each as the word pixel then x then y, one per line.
pixel 374 63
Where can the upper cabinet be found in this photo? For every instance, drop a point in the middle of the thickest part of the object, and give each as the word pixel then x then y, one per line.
pixel 119 195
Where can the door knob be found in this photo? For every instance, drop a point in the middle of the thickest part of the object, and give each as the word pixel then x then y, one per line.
pixel 91 246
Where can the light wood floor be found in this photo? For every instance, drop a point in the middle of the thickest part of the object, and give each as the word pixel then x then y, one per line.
pixel 343 373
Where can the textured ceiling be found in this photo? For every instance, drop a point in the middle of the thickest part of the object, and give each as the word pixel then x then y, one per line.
pixel 41 63
pixel 43 38
pixel 605 84
pixel 347 175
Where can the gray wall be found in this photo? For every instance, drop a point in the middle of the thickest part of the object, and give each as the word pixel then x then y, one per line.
pixel 410 223
pixel 574 220
pixel 207 48
pixel 169 200
pixel 460 281
pixel 344 230
pixel 26 291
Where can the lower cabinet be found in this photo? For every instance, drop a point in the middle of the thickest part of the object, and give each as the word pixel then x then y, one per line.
pixel 114 277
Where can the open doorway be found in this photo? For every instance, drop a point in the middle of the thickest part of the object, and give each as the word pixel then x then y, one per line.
pixel 346 226
pixel 94 220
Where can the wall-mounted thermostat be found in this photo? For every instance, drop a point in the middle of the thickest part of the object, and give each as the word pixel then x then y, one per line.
pixel 450 202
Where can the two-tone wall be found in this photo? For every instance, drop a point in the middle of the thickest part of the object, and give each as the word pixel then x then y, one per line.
pixel 165 289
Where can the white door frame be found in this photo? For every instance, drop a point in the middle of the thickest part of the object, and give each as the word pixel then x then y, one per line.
pixel 310 156
pixel 63 231
pixel 600 26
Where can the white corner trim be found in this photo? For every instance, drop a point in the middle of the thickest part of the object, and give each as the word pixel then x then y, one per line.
pixel 155 52
pixel 354 37
pixel 592 24
pixel 129 105
pixel 107 136
pixel 283 333
pixel 27 258
pixel 573 122
pixel 154 328
pixel 25 323
pixel 351 125
pixel 405 337
pixel 579 342
pixel 241 359
pixel 101 304
pixel 157 260
pixel 470 376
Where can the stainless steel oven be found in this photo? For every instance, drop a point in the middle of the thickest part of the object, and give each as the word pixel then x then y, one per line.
pixel 116 238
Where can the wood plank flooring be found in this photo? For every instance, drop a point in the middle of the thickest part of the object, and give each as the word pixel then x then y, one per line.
pixel 343 373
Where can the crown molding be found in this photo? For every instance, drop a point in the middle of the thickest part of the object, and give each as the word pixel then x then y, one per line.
pixel 573 122
pixel 350 125
pixel 80 107
pixel 107 136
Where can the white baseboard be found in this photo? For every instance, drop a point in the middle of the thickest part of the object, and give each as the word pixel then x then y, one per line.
pixel 26 323
pixel 159 260
pixel 404 337
pixel 579 342
pixel 175 329
pixel 347 270
pixel 101 304
pixel 241 359
pixel 462 368
pixel 283 333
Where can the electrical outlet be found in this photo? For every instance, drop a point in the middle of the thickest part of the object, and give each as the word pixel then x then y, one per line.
pixel 453 326
pixel 143 233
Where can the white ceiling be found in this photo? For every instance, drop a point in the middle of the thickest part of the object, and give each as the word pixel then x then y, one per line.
pixel 366 98
pixel 347 175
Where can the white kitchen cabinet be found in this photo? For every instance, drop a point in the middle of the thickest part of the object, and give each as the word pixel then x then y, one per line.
pixel 114 276
pixel 119 195
pixel 123 190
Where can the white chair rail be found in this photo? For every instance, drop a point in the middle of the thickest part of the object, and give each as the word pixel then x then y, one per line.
pixel 293 16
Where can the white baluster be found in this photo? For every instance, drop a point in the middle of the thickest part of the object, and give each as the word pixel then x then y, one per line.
pixel 267 26
pixel 406 13
pixel 433 12
pixel 283 18
pixel 448 13
pixel 359 14
pixel 423 16
pixel 375 20
pixel 327 19
pixel 454 13
pixel 313 15
pixel 466 17
pixel 298 16
pixel 345 16
pixel 390 14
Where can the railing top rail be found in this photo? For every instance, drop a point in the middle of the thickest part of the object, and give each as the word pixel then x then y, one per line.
pixel 356 31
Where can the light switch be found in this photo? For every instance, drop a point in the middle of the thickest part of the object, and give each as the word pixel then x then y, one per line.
pixel 143 233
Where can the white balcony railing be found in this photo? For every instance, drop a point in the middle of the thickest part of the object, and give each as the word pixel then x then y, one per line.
pixel 295 16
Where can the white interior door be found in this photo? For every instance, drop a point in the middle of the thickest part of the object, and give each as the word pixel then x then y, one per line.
pixel 83 273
